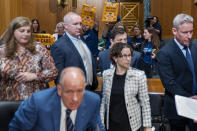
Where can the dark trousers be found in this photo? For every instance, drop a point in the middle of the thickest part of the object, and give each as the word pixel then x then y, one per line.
pixel 147 68
pixel 131 130
pixel 179 125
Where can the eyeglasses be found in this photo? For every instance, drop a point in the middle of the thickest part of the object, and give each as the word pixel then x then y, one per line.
pixel 126 56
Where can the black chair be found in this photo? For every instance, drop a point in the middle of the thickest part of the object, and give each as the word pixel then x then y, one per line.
pixel 158 120
pixel 7 110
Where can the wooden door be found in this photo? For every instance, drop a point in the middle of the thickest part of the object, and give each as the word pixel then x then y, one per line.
pixel 130 15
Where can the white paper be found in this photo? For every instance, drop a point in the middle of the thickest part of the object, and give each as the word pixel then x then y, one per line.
pixel 186 107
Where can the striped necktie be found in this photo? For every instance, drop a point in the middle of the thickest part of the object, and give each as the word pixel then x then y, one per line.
pixel 69 123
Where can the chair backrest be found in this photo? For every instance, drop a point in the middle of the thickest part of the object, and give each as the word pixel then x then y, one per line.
pixel 7 110
pixel 154 85
pixel 99 88
pixel 156 103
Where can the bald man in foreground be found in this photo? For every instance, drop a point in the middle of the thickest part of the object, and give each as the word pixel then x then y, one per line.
pixel 65 108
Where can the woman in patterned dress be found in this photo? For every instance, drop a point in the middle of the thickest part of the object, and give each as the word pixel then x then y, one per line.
pixel 25 65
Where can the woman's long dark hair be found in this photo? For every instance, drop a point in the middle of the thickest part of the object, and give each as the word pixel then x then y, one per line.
pixel 154 38
pixel 38 29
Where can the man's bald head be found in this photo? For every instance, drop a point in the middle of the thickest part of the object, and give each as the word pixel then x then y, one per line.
pixel 68 16
pixel 72 87
pixel 73 24
pixel 71 73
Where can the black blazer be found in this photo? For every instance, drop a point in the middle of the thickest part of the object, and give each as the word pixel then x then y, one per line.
pixel 175 74
pixel 65 55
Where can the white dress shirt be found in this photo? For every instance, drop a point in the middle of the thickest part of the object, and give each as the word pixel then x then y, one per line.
pixel 181 47
pixel 63 117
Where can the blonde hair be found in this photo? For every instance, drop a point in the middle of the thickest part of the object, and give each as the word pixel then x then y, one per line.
pixel 60 23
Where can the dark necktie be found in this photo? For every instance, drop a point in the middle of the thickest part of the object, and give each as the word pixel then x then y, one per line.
pixel 69 123
pixel 191 65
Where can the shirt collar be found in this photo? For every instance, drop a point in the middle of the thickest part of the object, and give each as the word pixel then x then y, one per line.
pixel 71 37
pixel 64 107
pixel 179 45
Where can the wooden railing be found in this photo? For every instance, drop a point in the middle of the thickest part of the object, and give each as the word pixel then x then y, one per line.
pixel 154 85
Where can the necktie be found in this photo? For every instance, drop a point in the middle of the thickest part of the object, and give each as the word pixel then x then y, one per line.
pixel 69 123
pixel 88 63
pixel 191 65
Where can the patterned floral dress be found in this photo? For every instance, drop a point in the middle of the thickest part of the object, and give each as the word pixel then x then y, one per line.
pixel 41 64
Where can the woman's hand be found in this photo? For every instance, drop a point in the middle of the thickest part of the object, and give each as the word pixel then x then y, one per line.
pixel 134 45
pixel 153 55
pixel 147 129
pixel 26 76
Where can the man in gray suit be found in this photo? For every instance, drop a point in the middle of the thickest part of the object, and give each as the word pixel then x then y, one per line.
pixel 117 35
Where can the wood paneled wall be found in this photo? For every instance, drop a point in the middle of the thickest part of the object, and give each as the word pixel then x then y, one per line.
pixel 9 9
pixel 40 9
pixel 193 13
pixel 46 11
pixel 49 13
pixel 166 10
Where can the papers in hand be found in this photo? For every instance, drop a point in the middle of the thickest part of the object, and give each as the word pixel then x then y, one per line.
pixel 186 107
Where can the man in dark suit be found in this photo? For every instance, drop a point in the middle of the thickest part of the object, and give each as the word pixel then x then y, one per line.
pixel 65 108
pixel 117 35
pixel 178 70
pixel 70 50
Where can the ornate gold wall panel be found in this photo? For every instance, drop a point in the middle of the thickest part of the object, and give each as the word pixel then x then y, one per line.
pixel 129 14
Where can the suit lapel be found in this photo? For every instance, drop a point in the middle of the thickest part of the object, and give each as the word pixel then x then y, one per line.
pixel 108 87
pixel 73 48
pixel 178 51
pixel 128 75
pixel 74 51
pixel 109 78
pixel 133 59
pixel 129 84
pixel 80 117
pixel 108 61
pixel 56 114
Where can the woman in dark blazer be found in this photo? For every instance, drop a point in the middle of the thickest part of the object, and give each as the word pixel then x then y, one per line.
pixel 125 103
